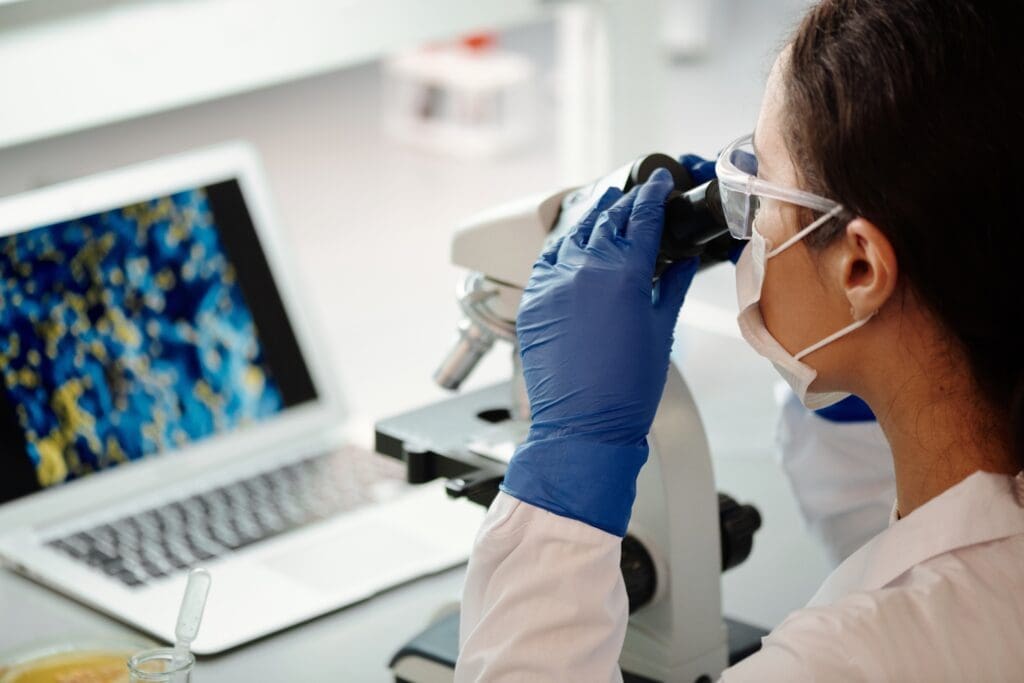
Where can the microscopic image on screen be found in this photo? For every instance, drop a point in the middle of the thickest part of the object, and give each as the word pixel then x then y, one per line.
pixel 124 334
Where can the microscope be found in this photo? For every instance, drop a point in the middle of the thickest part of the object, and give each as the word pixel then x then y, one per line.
pixel 682 533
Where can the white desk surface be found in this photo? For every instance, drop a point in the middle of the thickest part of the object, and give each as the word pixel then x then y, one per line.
pixel 354 644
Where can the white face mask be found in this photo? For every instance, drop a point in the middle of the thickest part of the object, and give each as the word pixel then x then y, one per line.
pixel 750 270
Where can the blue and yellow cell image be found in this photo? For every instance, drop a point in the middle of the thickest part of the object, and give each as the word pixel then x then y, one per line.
pixel 124 334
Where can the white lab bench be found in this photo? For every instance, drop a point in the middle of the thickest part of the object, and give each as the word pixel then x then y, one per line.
pixel 370 223
pixel 354 644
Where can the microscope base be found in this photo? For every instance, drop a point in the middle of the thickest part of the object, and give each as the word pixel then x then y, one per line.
pixel 430 656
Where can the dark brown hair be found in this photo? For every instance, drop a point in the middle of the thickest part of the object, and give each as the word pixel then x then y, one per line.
pixel 908 113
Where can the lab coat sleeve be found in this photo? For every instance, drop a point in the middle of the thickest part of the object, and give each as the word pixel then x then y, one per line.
pixel 856 639
pixel 544 599
pixel 841 475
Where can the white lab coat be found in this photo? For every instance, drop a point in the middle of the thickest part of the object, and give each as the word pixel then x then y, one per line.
pixel 938 595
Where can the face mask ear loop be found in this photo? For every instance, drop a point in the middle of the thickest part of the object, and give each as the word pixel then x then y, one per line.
pixel 805 232
pixel 832 337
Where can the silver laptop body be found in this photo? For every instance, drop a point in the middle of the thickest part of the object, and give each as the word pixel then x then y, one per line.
pixel 165 403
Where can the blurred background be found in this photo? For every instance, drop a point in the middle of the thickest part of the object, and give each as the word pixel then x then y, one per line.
pixel 367 117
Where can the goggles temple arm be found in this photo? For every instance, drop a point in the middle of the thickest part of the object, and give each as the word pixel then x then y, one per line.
pixel 805 232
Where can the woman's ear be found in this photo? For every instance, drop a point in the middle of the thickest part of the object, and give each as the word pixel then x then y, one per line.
pixel 868 267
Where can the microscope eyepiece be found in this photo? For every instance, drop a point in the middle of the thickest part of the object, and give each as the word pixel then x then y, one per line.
pixel 644 167
pixel 694 222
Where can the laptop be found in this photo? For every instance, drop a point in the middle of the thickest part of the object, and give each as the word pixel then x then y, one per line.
pixel 165 403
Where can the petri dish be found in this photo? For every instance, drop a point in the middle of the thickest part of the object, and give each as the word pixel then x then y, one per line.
pixel 100 659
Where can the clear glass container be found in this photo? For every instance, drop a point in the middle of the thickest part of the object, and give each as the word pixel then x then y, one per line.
pixel 162 664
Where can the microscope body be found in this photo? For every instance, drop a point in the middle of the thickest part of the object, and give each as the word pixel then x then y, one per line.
pixel 674 551
pixel 679 634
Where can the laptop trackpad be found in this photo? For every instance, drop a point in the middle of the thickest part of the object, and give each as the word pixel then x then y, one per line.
pixel 358 560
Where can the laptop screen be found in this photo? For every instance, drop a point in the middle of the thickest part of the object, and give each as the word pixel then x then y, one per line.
pixel 138 330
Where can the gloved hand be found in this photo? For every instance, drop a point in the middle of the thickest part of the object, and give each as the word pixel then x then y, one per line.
pixel 594 338
pixel 701 169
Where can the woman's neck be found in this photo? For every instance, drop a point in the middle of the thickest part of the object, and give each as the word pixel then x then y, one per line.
pixel 939 429
pixel 937 445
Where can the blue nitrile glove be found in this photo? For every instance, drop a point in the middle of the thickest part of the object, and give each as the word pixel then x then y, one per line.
pixel 595 338
pixel 850 409
pixel 701 169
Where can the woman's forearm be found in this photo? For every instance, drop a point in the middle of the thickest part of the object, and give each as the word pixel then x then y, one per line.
pixel 543 601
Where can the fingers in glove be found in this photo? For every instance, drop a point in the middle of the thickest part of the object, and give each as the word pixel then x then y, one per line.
pixel 701 169
pixel 674 283
pixel 612 222
pixel 580 235
pixel 647 218
pixel 550 254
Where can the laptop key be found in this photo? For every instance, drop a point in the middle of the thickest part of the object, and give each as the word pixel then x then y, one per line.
pixel 128 543
pixel 180 562
pixel 75 550
pixel 81 542
pixel 101 534
pixel 154 570
pixel 293 513
pixel 203 554
pixel 133 564
pixel 113 567
pixel 178 550
pixel 205 548
pixel 127 526
pixel 130 578
pixel 104 552
pixel 270 521
pixel 223 534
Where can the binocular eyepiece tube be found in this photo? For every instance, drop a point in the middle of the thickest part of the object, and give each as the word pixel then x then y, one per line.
pixel 694 222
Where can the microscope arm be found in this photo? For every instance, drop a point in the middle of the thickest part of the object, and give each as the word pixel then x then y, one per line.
pixel 673 553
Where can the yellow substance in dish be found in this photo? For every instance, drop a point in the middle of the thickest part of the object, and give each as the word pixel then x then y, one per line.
pixel 76 667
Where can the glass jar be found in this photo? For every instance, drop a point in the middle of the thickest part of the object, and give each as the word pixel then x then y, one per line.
pixel 161 665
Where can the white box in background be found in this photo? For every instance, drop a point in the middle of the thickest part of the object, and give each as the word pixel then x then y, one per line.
pixel 466 99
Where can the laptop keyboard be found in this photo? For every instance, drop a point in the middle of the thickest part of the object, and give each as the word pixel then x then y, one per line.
pixel 160 541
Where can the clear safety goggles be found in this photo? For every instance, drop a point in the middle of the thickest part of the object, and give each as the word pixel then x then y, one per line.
pixel 741 190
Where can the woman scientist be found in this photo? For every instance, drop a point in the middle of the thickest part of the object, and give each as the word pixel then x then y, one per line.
pixel 879 194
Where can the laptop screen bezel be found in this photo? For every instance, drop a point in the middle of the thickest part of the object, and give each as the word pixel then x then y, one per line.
pixel 304 425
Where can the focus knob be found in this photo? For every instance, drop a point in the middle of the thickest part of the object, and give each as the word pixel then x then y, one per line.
pixel 737 524
pixel 638 573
